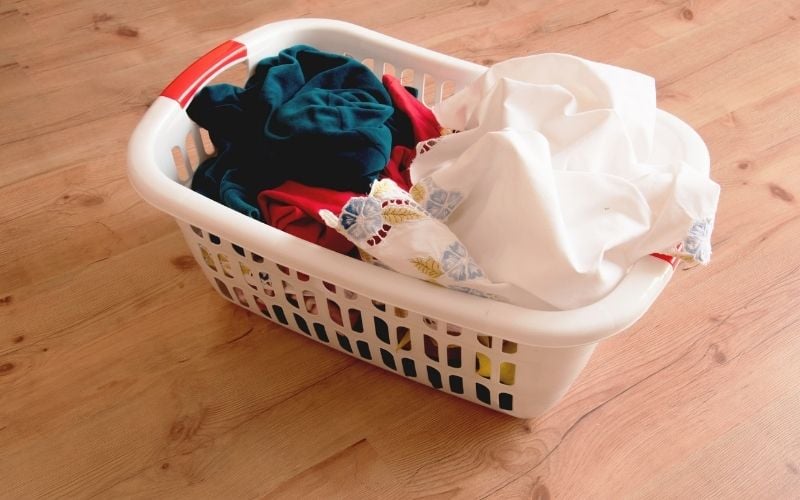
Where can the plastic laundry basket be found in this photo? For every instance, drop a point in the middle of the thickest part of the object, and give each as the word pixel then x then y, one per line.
pixel 420 331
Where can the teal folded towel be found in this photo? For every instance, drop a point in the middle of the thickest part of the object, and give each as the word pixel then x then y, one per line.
pixel 304 115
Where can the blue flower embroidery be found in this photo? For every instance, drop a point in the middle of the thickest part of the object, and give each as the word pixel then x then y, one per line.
pixel 698 242
pixel 458 265
pixel 440 203
pixel 361 217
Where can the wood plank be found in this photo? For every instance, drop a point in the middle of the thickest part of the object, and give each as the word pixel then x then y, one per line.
pixel 122 373
pixel 356 472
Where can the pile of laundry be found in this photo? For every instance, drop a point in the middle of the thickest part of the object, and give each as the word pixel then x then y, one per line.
pixel 544 195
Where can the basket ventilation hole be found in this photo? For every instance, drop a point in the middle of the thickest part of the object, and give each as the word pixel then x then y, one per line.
pixel 485 340
pixel 354 315
pixel 335 312
pixel 285 270
pixel 453 330
pixel 239 250
pixel 181 164
pixel 409 370
pixel 454 356
pixel 301 324
pixel 403 338
pixel 388 69
pixel 208 146
pixel 435 377
pixel 388 359
pixel 507 373
pixel 379 305
pixel 431 348
pixel 197 230
pixel 223 289
pixel 261 306
pixel 369 62
pixel 363 349
pixel 381 330
pixel 483 394
pixel 257 258
pixel 310 302
pixel 240 296
pixel 213 238
pixel 483 365
pixel 302 276
pixel 506 401
pixel 192 154
pixel 509 347
pixel 344 342
pixel 400 312
pixel 430 323
pixel 207 258
pixel 447 89
pixel 429 90
pixel 456 384
pixel 249 276
pixel 321 333
pixel 266 284
pixel 407 78
pixel 330 286
pixel 225 264
pixel 290 294
pixel 279 315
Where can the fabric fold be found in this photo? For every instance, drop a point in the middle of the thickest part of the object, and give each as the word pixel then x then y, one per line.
pixel 558 195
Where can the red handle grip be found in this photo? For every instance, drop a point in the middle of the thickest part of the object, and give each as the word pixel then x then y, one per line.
pixel 192 79
pixel 669 259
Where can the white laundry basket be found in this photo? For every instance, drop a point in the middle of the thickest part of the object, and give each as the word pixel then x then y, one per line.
pixel 361 309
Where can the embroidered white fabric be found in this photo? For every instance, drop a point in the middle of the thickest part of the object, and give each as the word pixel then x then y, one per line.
pixel 392 230
pixel 548 184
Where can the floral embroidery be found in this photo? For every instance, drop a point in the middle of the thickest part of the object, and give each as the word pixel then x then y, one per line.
pixel 438 202
pixel 361 217
pixel 398 211
pixel 428 266
pixel 367 220
pixel 458 265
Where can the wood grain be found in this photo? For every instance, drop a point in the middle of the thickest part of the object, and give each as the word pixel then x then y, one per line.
pixel 122 374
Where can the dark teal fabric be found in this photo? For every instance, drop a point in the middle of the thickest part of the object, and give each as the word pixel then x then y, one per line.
pixel 304 115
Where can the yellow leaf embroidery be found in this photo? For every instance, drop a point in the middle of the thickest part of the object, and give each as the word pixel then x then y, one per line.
pixel 395 214
pixel 428 266
pixel 380 188
pixel 417 192
pixel 364 255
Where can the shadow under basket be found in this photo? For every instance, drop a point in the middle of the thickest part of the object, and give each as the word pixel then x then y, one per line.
pixel 511 359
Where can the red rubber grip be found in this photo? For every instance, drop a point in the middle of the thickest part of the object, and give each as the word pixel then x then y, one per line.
pixel 192 79
pixel 669 259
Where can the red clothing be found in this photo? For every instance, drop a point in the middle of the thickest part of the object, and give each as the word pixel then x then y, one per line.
pixel 398 168
pixel 294 208
pixel 423 121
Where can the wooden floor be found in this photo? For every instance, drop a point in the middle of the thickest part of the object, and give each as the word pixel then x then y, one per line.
pixel 122 373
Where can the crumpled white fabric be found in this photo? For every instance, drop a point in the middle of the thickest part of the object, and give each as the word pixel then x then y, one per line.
pixel 548 182
pixel 392 230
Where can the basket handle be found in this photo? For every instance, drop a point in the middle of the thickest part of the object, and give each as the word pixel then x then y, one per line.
pixel 669 259
pixel 185 86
